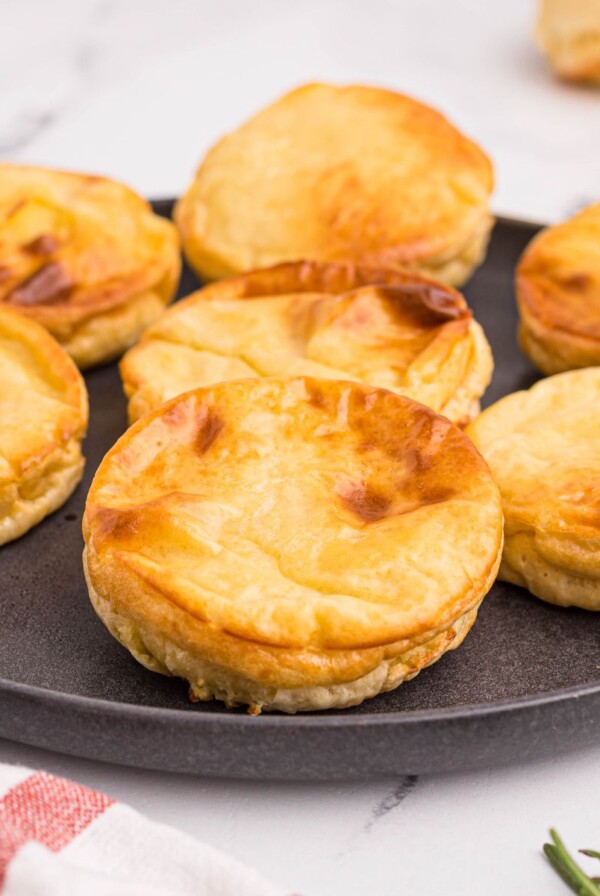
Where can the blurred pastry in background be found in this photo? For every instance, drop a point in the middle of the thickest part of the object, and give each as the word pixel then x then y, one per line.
pixel 291 544
pixel 387 328
pixel 568 33
pixel 85 257
pixel 558 294
pixel 543 448
pixel 43 418
pixel 340 174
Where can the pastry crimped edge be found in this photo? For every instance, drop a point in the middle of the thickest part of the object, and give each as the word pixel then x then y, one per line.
pixel 398 662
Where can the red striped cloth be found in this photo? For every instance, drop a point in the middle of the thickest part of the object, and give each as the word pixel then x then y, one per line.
pixel 59 838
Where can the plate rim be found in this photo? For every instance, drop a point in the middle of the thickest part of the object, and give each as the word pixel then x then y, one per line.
pixel 395 717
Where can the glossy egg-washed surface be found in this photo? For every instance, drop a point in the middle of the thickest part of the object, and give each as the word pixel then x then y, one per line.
pixel 282 529
pixel 543 447
pixel 340 173
pixel 558 293
pixel 51 637
pixel 85 257
pixel 410 335
pixel 43 418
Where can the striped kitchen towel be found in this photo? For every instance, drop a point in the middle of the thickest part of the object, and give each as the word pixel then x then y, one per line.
pixel 58 838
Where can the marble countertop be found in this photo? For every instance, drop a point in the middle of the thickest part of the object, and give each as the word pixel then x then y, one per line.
pixel 138 90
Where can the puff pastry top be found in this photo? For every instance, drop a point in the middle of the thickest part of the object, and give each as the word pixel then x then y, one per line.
pixel 75 246
pixel 543 447
pixel 407 334
pixel 43 417
pixel 338 173
pixel 558 282
pixel 301 514
pixel 43 400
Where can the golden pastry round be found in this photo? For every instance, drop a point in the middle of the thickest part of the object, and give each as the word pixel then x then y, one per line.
pixel 568 33
pixel 407 334
pixel 558 294
pixel 340 173
pixel 291 544
pixel 85 257
pixel 543 448
pixel 43 418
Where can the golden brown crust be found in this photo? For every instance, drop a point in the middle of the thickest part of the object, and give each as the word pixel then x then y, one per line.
pixel 282 530
pixel 408 334
pixel 340 173
pixel 43 417
pixel 543 448
pixel 568 33
pixel 85 257
pixel 558 294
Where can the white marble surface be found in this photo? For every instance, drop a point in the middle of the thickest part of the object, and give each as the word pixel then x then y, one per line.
pixel 138 90
pixel 477 834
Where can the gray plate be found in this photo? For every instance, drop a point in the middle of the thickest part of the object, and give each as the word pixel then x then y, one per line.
pixel 525 683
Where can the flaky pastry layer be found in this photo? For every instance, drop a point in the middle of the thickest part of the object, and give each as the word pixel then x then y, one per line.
pixel 408 334
pixel 543 448
pixel 43 418
pixel 211 681
pixel 558 294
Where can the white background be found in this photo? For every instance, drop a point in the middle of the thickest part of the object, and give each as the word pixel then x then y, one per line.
pixel 138 90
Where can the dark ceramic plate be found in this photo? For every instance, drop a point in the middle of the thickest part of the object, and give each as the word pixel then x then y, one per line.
pixel 525 683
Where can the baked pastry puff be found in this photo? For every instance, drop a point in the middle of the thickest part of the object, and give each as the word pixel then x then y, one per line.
pixel 291 544
pixel 568 33
pixel 406 333
pixel 85 257
pixel 543 448
pixel 340 174
pixel 558 294
pixel 43 418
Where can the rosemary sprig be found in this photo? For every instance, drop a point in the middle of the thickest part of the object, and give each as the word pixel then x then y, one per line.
pixel 568 869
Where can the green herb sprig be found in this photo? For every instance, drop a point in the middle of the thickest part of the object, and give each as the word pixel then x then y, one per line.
pixel 563 863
